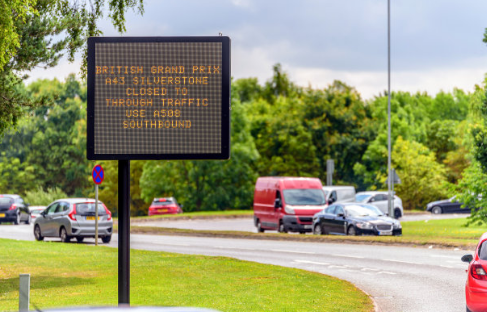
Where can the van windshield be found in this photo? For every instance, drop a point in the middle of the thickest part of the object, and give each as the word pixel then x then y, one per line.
pixel 304 197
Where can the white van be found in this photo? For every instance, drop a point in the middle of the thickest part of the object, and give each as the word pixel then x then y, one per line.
pixel 339 193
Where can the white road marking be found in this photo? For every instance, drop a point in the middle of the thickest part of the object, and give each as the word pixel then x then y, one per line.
pixel 442 256
pixel 237 248
pixel 386 272
pixel 312 262
pixel 347 268
pixel 294 251
pixel 400 261
pixel 347 256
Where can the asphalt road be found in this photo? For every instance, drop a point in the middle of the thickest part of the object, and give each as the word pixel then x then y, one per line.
pixel 397 278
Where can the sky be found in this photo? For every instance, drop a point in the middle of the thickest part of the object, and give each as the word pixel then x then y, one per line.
pixel 435 45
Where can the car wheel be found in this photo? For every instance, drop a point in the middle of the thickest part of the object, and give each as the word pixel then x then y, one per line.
pixel 29 220
pixel 317 230
pixel 281 228
pixel 468 310
pixel 397 213
pixel 106 239
pixel 80 239
pixel 351 231
pixel 437 210
pixel 37 233
pixel 64 235
pixel 17 220
pixel 259 227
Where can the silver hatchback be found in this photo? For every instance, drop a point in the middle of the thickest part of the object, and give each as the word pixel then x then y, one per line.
pixel 74 217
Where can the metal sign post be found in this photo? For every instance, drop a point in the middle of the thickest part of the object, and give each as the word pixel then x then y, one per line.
pixel 155 98
pixel 330 168
pixel 98 174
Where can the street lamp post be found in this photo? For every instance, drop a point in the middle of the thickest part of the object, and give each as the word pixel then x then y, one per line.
pixel 389 172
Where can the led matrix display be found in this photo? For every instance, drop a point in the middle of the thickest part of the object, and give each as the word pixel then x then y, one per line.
pixel 158 98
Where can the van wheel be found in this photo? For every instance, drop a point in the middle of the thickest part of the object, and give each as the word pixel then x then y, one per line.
pixel 397 213
pixel 282 229
pixel 259 227
pixel 79 239
pixel 317 230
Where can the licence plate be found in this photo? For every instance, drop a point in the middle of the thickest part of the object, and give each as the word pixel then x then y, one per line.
pixel 308 226
pixel 2 215
pixel 162 210
pixel 92 218
pixel 385 233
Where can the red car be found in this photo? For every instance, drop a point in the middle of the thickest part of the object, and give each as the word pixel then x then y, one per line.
pixel 476 285
pixel 165 205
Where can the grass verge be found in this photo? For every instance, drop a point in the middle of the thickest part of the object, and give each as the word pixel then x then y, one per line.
pixel 442 233
pixel 196 215
pixel 75 274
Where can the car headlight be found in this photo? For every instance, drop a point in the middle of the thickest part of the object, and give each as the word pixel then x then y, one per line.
pixel 364 225
pixel 289 210
pixel 397 225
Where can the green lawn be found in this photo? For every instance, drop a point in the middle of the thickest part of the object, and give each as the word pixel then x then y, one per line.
pixel 447 231
pixel 199 214
pixel 73 275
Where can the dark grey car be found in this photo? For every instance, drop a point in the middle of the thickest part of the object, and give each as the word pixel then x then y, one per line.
pixel 14 209
pixel 74 218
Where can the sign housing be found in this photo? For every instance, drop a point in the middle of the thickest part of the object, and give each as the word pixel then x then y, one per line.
pixel 158 98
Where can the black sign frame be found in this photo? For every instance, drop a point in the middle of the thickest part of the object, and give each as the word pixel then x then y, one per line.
pixel 225 99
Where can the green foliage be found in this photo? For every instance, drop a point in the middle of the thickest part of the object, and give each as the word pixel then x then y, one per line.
pixel 37 34
pixel 208 185
pixel 471 189
pixel 108 190
pixel 433 122
pixel 11 13
pixel 423 179
pixel 43 197
pixel 50 142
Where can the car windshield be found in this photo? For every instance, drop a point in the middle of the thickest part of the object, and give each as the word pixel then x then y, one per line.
pixel 5 201
pixel 361 197
pixel 87 208
pixel 374 209
pixel 304 197
pixel 162 202
pixel 361 211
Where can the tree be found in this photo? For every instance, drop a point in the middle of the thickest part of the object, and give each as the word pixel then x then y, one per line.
pixel 341 128
pixel 30 30
pixel 208 185
pixel 422 179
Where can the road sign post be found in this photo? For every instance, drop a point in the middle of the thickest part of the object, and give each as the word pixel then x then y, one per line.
pixel 155 98
pixel 98 174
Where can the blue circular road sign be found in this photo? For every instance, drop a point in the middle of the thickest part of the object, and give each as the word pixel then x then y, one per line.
pixel 98 174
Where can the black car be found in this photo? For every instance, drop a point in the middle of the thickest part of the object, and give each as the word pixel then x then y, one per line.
pixel 451 205
pixel 14 209
pixel 354 219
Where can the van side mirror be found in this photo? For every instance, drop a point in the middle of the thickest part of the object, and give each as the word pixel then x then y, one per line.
pixel 330 201
pixel 341 214
pixel 277 203
pixel 467 258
